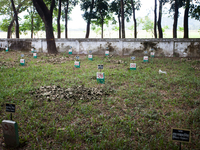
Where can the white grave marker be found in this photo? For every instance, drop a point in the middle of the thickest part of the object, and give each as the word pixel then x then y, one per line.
pixel 10 133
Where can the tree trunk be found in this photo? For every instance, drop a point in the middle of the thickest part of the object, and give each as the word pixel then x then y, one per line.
pixel 88 22
pixel 32 25
pixel 123 25
pixel 46 16
pixel 58 20
pixel 155 19
pixel 16 19
pixel 120 29
pixel 160 19
pixel 102 28
pixel 9 33
pixel 66 19
pixel 175 20
pixel 135 22
pixel 186 34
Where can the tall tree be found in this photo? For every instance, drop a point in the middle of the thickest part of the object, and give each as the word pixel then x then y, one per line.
pixel 122 20
pixel 175 19
pixel 46 16
pixel 89 19
pixel 155 19
pixel 160 31
pixel 58 19
pixel 185 25
pixel 9 15
pixel 88 6
pixel 101 14
pixel 135 6
pixel 68 6
pixel 16 19
pixel 116 9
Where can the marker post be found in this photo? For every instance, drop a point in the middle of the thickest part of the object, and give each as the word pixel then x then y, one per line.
pixel 100 75
pixel 10 108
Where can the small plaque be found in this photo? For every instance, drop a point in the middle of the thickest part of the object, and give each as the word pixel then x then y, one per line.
pixel 35 54
pixel 100 66
pixel 152 53
pixel 100 75
pixel 107 52
pixel 90 51
pixel 145 57
pixel 107 47
pixel 132 65
pixel 22 55
pixel 21 60
pixel 70 50
pixel 77 57
pixel 132 57
pixel 145 52
pixel 10 107
pixel 181 135
pixel 76 63
pixel 89 56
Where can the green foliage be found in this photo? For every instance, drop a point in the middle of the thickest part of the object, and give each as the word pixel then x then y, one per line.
pixel 195 10
pixel 148 25
pixel 96 29
pixel 181 29
pixel 4 25
pixel 165 28
pixel 115 28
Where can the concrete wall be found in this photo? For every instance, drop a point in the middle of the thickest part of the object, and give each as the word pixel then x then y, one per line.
pixel 161 47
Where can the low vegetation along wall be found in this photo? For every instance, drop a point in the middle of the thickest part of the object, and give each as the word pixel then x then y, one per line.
pixel 136 47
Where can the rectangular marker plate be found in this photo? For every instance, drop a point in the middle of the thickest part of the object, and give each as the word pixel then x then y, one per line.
pixel 132 57
pixel 107 52
pixel 132 65
pixel 76 63
pixel 145 57
pixel 10 107
pixel 100 66
pixel 100 75
pixel 77 57
pixel 89 56
pixel 22 61
pixel 152 53
pixel 181 135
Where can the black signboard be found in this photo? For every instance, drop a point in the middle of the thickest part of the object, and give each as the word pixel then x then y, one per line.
pixel 181 135
pixel 10 107
pixel 100 66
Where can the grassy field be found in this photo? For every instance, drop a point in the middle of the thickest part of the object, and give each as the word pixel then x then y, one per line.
pixel 109 34
pixel 133 110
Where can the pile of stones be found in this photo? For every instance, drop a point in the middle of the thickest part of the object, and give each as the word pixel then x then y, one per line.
pixel 53 93
pixel 55 60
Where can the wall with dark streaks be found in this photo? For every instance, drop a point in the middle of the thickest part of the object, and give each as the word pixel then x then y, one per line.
pixel 137 47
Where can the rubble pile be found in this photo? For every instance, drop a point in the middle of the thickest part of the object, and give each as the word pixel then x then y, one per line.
pixel 53 93
pixel 55 60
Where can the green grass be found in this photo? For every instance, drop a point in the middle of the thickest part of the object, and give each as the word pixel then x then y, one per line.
pixel 139 114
